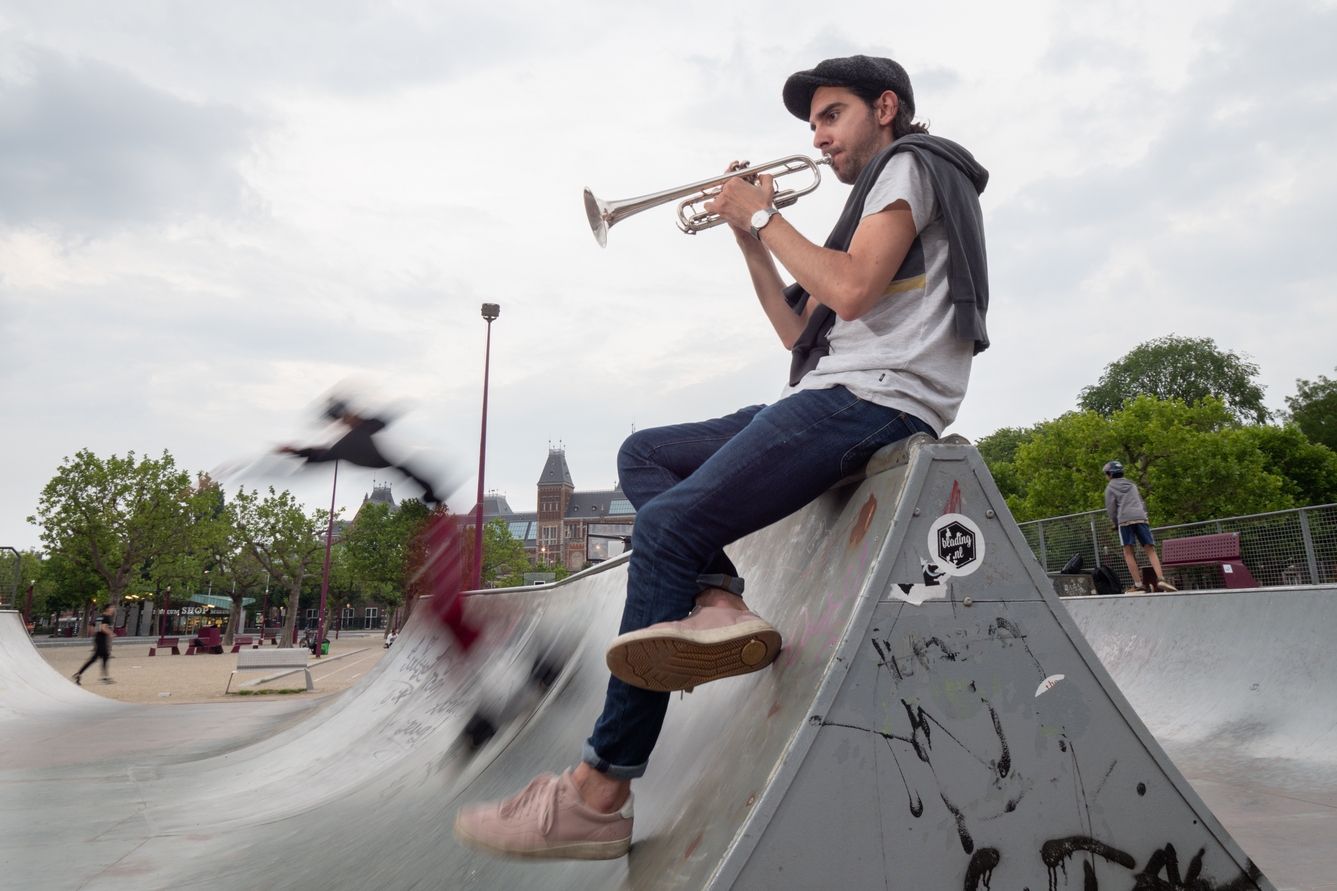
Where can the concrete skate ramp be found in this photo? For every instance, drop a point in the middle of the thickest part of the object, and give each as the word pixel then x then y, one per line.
pixel 1238 687
pixel 935 720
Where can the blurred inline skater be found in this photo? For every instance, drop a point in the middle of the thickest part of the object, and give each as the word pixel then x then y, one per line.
pixel 440 541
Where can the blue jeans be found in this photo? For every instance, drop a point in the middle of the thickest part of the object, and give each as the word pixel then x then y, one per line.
pixel 698 487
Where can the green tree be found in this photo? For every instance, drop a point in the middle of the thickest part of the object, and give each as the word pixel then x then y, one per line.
pixel 63 584
pixel 285 541
pixel 999 451
pixel 1185 368
pixel 1308 469
pixel 504 560
pixel 1313 409
pixel 116 516
pixel 379 546
pixel 1192 462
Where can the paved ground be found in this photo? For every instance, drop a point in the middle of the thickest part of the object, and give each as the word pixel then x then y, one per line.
pixel 202 678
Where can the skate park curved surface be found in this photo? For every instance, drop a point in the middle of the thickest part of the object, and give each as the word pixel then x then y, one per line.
pixel 936 719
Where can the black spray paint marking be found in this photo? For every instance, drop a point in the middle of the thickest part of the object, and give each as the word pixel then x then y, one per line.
pixel 1141 788
pixel 1056 851
pixel 916 803
pixel 920 648
pixel 967 843
pixel 980 869
pixel 1004 760
pixel 1096 794
pixel 1012 628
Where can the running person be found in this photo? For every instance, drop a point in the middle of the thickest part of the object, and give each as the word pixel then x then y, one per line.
pixel 882 322
pixel 101 645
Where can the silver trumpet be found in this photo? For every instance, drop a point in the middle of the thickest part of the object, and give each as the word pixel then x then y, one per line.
pixel 691 218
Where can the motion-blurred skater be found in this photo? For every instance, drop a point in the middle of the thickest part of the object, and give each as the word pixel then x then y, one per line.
pixel 101 645
pixel 358 447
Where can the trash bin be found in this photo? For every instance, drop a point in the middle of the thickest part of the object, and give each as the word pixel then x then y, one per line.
pixel 324 647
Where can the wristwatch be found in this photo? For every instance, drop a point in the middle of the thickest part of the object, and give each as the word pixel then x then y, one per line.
pixel 760 219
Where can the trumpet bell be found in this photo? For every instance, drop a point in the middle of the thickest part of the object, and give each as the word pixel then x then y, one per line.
pixel 599 215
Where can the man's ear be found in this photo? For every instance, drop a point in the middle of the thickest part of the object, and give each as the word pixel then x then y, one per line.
pixel 887 106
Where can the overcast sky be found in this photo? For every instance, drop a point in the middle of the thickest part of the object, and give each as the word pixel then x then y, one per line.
pixel 210 214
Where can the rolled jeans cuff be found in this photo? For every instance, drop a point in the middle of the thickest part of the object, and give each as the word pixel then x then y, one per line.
pixel 612 771
pixel 731 583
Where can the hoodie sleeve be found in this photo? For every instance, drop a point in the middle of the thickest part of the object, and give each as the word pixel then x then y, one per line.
pixel 1112 505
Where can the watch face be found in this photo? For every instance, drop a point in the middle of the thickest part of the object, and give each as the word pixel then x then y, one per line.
pixel 760 218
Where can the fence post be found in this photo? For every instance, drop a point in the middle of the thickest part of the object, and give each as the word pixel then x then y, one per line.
pixel 1095 542
pixel 1044 560
pixel 1309 547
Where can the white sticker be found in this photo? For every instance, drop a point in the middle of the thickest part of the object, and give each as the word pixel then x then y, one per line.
pixel 916 594
pixel 1225 567
pixel 956 543
pixel 1048 683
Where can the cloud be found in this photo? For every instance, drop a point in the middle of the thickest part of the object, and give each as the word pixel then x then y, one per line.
pixel 1219 226
pixel 87 148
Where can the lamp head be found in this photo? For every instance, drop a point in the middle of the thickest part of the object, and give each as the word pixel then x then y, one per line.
pixel 491 311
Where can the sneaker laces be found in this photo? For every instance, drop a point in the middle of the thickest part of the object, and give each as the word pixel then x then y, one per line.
pixel 541 791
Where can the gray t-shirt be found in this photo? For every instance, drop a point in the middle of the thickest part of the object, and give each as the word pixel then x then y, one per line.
pixel 903 353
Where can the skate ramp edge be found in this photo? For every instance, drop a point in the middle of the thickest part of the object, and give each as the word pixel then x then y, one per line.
pixel 29 686
pixel 934 720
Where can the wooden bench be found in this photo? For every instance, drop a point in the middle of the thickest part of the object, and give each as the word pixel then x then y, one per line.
pixel 165 642
pixel 1209 550
pixel 281 661
pixel 243 640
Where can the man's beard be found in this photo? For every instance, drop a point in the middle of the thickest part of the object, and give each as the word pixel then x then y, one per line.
pixel 858 154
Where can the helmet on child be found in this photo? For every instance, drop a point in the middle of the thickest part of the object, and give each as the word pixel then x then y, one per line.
pixel 1114 468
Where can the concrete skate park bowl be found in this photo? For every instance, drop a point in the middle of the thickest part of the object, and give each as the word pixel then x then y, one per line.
pixel 936 720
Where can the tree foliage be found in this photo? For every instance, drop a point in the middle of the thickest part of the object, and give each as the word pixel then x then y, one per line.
pixel 378 548
pixel 999 451
pixel 1313 409
pixel 1189 369
pixel 283 539
pixel 116 516
pixel 1192 462
pixel 504 560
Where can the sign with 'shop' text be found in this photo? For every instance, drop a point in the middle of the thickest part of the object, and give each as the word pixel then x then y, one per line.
pixel 956 543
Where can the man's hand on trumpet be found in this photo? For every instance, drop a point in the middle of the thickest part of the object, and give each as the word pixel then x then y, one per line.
pixel 739 199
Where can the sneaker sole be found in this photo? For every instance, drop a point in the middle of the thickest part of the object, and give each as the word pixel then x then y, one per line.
pixel 609 850
pixel 665 661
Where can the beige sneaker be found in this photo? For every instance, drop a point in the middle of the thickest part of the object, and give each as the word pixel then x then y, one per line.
pixel 1163 585
pixel 713 642
pixel 546 820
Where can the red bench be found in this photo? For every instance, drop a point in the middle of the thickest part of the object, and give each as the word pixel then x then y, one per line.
pixel 1209 550
pixel 243 640
pixel 209 640
pixel 271 636
pixel 165 642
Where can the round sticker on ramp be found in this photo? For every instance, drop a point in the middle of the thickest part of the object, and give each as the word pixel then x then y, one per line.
pixel 956 543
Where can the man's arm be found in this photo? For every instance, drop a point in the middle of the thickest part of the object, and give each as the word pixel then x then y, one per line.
pixel 849 282
pixel 1112 506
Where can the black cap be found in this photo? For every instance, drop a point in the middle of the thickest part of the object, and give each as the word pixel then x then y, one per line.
pixel 870 72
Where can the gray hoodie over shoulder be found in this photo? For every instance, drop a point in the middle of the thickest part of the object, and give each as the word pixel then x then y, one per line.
pixel 1124 503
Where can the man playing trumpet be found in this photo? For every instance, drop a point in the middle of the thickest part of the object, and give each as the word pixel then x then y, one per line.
pixel 883 320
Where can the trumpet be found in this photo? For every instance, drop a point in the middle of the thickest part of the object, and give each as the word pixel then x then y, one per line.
pixel 603 215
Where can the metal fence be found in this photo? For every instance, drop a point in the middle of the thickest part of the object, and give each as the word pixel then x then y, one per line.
pixel 1288 547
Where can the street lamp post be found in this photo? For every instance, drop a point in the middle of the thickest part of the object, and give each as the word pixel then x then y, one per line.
pixel 325 582
pixel 490 312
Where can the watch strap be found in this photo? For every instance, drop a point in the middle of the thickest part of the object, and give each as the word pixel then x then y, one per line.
pixel 770 212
